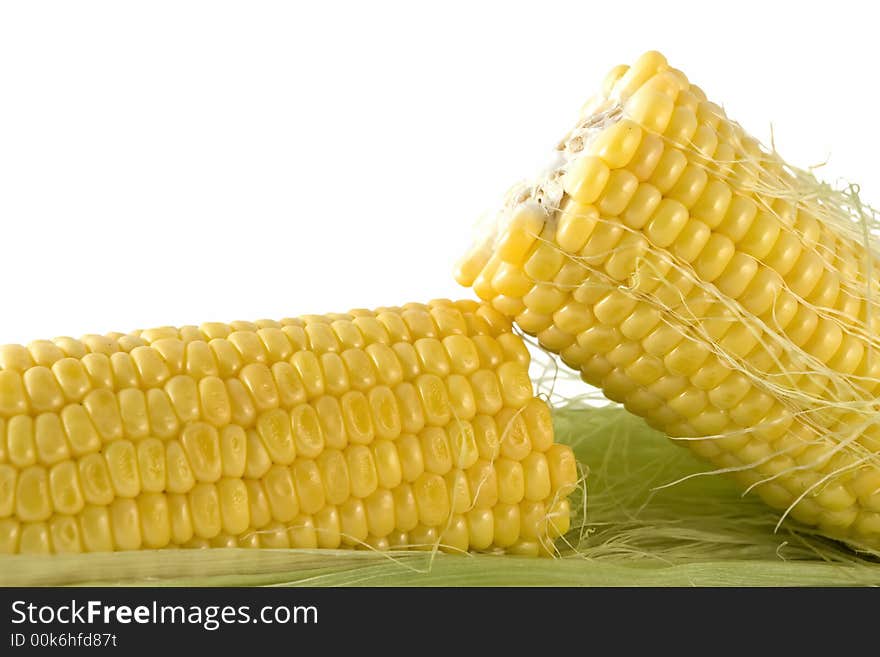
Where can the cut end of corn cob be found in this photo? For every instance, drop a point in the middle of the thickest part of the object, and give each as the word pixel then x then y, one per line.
pixel 709 287
pixel 413 426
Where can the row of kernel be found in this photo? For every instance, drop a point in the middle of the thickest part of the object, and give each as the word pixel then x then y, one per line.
pixel 43 389
pixel 359 524
pixel 46 353
pixel 282 493
pixel 122 469
pixel 429 501
pixel 359 470
pixel 152 520
pixel 337 332
pixel 268 343
pixel 166 521
pixel 104 416
pixel 231 505
pixel 410 323
pixel 204 454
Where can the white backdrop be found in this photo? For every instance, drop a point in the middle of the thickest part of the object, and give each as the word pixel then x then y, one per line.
pixel 177 162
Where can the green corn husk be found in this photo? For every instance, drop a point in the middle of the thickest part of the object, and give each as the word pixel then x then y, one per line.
pixel 648 514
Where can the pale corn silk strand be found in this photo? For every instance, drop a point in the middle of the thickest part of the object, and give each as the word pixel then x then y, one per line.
pixel 725 295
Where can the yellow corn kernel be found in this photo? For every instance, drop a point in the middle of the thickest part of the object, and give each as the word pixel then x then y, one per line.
pixel 133 412
pixel 122 464
pixel 151 465
pixel 388 467
pixel 64 487
pixel 49 439
pixel 435 449
pixel 642 70
pixel 586 178
pixel 558 518
pixel 646 157
pixel 408 359
pixel 204 503
pixel 99 369
pixel 464 451
pixel 64 534
pixel 257 458
pixel 42 389
pixel 394 325
pixel 336 379
pixel 178 471
pixel 35 539
pixel 303 533
pixel 576 223
pixel 163 421
pixel 667 223
pixel 616 145
pixel 228 360
pixel 94 476
pixel 95 529
pixel 536 474
pixel 214 401
pixel 258 381
pixel 151 368
pixel 234 511
pixel 124 372
pixel 515 442
pixel 354 529
pixel 649 108
pixel 385 412
pixel 379 509
pixel 563 470
pixel 273 428
pixel 507 524
pixel 434 399
pixel 201 443
pixel 12 393
pixel 309 487
pixel 280 491
pixel 432 499
pixel 155 520
pixel 334 473
pixel 327 528
pixel 72 378
pixel 10 534
pixel 357 417
pixel 125 524
pixel 247 342
pixel 243 410
pixel 511 481
pixel 15 357
pixel 180 519
pixel 481 528
pixel 291 390
pixel 618 193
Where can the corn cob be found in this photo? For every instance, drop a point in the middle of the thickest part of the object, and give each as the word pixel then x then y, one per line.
pixel 410 426
pixel 709 287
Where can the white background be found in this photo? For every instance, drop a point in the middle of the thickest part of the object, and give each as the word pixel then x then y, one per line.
pixel 177 162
